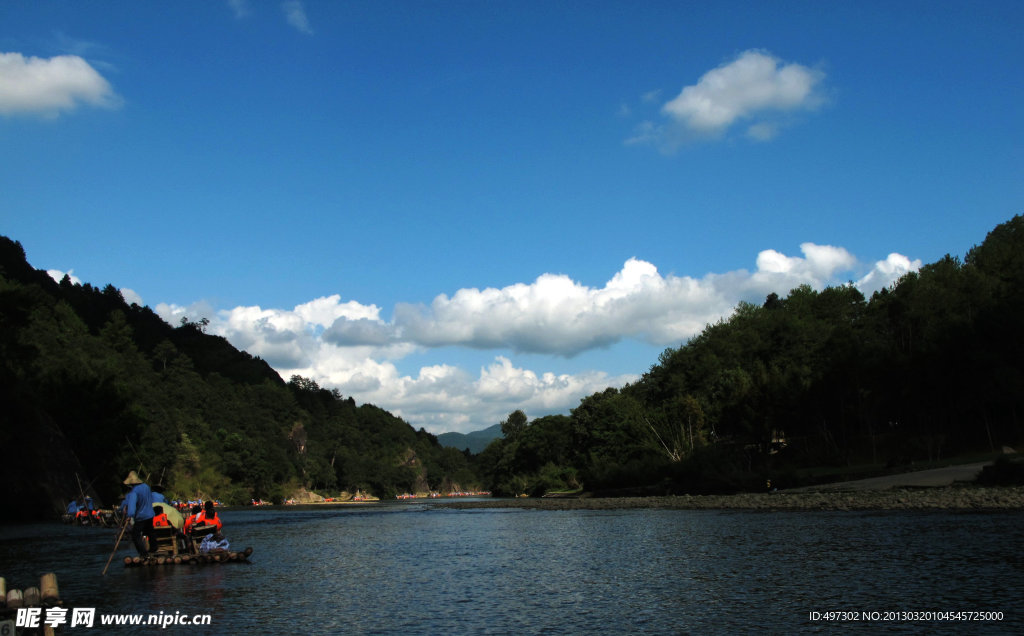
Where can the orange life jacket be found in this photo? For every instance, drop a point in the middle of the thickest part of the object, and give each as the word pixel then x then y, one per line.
pixel 202 519
pixel 161 520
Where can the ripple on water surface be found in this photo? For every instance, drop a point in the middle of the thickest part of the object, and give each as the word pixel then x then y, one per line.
pixel 411 568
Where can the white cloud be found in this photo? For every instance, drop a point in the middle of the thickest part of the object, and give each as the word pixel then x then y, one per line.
pixel 446 398
pixel 131 297
pixel 887 272
pixel 33 85
pixel 324 311
pixel 349 346
pixel 58 276
pixel 556 315
pixel 755 86
pixel 295 13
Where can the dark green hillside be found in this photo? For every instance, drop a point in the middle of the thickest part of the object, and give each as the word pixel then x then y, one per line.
pixel 91 388
pixel 802 385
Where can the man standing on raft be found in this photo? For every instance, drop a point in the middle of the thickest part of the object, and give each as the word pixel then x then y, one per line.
pixel 139 506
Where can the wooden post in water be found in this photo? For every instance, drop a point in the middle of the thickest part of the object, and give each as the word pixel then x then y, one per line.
pixel 48 588
pixel 3 592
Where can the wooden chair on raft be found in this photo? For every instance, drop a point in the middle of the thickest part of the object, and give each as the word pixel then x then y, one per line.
pixel 196 535
pixel 164 541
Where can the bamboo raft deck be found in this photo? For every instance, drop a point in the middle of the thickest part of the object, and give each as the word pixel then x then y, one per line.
pixel 190 559
pixel 44 596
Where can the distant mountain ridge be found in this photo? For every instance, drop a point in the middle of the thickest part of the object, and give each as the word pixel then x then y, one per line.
pixel 476 441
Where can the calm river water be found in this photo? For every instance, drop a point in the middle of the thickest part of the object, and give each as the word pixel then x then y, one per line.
pixel 412 568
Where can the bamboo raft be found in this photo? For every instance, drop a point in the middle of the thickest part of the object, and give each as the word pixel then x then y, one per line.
pixel 105 519
pixel 190 559
pixel 45 595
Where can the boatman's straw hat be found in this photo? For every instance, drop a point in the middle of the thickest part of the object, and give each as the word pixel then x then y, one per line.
pixel 132 479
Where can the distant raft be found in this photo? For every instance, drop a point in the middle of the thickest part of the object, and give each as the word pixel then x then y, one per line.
pixel 97 518
pixel 190 559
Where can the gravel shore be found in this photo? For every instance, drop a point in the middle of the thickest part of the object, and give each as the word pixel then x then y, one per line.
pixel 957 497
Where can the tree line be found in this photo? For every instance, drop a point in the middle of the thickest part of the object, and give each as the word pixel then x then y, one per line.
pixel 929 367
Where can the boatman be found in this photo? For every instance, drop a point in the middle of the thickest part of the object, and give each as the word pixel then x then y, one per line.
pixel 158 493
pixel 139 506
pixel 72 512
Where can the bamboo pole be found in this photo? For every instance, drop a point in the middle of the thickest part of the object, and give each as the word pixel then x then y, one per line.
pixel 121 534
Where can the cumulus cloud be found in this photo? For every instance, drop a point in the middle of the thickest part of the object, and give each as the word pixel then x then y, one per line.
pixel 446 398
pixel 295 13
pixel 58 276
pixel 755 87
pixel 33 85
pixel 887 272
pixel 352 347
pixel 559 316
pixel 131 297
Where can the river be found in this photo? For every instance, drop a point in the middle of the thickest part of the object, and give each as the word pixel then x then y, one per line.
pixel 412 568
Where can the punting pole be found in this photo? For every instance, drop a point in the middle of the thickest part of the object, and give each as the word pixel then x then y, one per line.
pixel 124 525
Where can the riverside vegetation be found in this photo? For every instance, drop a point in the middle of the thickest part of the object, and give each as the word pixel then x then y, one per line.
pixel 813 383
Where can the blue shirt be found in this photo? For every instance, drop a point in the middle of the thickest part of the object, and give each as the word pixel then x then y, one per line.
pixel 139 503
pixel 73 507
pixel 158 497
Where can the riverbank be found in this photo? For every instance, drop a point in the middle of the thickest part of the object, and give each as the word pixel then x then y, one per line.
pixel 956 497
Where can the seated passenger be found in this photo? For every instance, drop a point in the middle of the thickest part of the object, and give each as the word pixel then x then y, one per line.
pixel 213 543
pixel 209 517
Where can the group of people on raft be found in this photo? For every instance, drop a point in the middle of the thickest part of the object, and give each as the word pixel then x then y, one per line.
pixel 84 513
pixel 139 506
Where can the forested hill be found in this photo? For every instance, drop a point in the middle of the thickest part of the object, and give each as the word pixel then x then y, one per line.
pixel 804 384
pixel 91 388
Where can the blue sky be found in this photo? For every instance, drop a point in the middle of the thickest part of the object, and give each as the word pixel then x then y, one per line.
pixel 456 209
